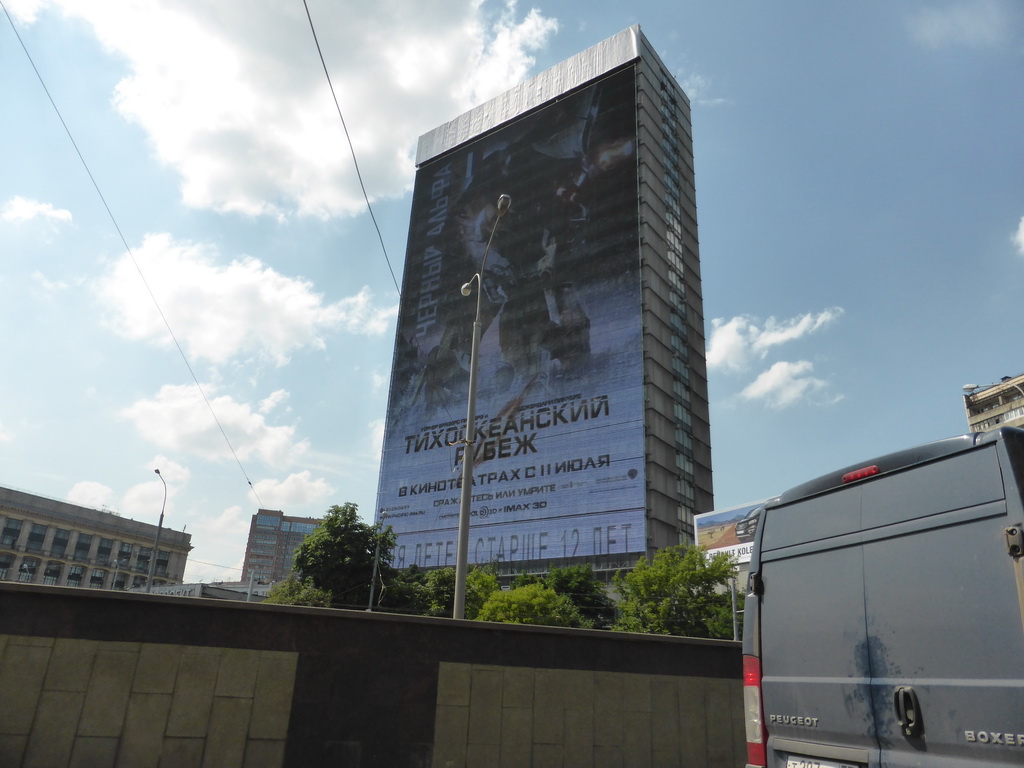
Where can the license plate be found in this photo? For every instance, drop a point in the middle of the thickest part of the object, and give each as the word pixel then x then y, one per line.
pixel 813 762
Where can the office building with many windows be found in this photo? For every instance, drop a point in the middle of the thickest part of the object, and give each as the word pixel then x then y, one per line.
pixel 591 433
pixel 45 541
pixel 273 537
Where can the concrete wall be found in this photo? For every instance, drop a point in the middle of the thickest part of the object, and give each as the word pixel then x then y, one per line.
pixel 98 679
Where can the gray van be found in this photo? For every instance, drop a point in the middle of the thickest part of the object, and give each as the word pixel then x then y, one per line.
pixel 884 620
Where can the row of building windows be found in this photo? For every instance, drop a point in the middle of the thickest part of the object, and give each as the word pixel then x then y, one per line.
pixel 53 573
pixel 676 251
pixel 272 521
pixel 996 421
pixel 681 392
pixel 21 535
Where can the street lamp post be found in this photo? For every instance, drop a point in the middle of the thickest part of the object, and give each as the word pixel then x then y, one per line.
pixel 26 568
pixel 468 454
pixel 159 528
pixel 117 568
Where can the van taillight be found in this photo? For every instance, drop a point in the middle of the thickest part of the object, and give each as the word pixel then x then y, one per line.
pixel 860 474
pixel 753 717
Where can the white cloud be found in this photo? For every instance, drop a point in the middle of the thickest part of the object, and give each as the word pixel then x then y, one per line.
pixel 377 437
pixel 178 420
pixel 213 537
pixel 91 494
pixel 233 521
pixel 698 89
pixel 273 400
pixel 21 209
pixel 49 286
pixel 502 56
pixel 784 384
pixel 220 311
pixel 971 23
pixel 297 490
pixel 25 11
pixel 246 117
pixel 144 500
pixel 6 435
pixel 777 332
pixel 1018 237
pixel 736 342
pixel 729 345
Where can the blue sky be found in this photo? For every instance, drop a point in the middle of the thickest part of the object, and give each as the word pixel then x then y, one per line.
pixel 860 186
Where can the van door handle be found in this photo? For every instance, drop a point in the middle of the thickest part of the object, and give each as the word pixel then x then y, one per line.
pixel 908 712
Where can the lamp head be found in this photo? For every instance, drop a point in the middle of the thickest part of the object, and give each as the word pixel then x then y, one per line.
pixel 467 288
pixel 968 388
pixel 503 203
pixel 157 471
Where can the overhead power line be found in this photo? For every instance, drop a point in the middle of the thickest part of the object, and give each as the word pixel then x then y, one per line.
pixel 128 250
pixel 351 148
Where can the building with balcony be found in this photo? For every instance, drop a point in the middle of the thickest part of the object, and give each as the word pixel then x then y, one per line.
pixel 46 541
pixel 995 405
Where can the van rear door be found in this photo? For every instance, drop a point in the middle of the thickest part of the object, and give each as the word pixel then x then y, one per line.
pixel 813 640
pixel 945 642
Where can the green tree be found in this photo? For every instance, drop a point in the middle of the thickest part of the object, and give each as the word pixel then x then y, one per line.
pixel 338 556
pixel 679 592
pixel 406 592
pixel 531 604
pixel 481 582
pixel 578 584
pixel 291 591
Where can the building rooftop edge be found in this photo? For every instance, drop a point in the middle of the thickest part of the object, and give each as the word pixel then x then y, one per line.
pixel 14 500
pixel 617 50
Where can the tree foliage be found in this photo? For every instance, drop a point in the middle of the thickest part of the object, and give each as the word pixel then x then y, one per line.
pixel 338 556
pixel 292 591
pixel 531 604
pixel 405 592
pixel 578 584
pixel 682 591
pixel 439 590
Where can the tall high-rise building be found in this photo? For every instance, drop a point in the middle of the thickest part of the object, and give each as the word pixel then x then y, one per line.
pixel 273 538
pixel 592 437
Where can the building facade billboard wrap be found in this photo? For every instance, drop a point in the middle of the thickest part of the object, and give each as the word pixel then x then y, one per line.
pixel 559 438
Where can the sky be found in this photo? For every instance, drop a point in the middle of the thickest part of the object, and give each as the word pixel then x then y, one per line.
pixel 191 279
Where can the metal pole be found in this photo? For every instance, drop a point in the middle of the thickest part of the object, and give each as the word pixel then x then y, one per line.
pixel 735 625
pixel 159 528
pixel 468 455
pixel 468 460
pixel 376 566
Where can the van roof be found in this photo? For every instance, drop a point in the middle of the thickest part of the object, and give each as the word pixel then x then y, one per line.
pixel 891 462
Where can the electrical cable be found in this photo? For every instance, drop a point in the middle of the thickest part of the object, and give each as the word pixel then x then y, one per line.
pixel 128 250
pixel 215 565
pixel 351 148
pixel 359 175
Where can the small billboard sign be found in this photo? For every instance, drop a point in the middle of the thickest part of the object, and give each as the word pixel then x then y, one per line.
pixel 730 530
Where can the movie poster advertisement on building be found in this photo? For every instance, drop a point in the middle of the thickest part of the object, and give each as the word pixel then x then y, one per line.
pixel 730 530
pixel 559 437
